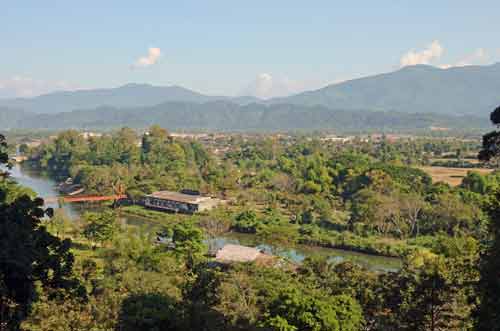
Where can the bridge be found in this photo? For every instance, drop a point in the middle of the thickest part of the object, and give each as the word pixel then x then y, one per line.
pixel 84 198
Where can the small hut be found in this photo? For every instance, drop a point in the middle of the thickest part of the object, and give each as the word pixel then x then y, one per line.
pixel 237 253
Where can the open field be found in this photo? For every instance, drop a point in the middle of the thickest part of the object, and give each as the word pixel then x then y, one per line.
pixel 452 176
pixel 473 161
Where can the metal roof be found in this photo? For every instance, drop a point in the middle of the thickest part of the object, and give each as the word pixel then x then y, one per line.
pixel 176 196
pixel 237 253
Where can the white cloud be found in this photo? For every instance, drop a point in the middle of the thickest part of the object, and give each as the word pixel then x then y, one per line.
pixel 434 51
pixel 431 53
pixel 263 85
pixel 478 57
pixel 267 86
pixel 25 87
pixel 481 54
pixel 154 54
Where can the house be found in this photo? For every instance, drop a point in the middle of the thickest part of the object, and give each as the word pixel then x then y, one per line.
pixel 237 253
pixel 231 253
pixel 336 139
pixel 32 143
pixel 180 202
pixel 87 135
pixel 19 158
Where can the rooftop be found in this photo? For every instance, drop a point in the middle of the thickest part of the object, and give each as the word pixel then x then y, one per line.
pixel 176 196
pixel 237 253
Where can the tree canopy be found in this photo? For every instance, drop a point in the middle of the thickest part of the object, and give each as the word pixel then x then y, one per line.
pixel 29 255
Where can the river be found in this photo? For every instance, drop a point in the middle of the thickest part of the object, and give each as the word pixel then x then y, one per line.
pixel 45 187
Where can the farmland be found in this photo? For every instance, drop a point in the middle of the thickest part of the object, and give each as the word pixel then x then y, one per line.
pixel 452 176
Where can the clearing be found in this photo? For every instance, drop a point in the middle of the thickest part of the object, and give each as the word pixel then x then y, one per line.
pixel 452 176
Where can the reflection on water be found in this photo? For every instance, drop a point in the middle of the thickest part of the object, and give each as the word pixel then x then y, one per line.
pixel 298 253
pixel 46 187
pixel 42 185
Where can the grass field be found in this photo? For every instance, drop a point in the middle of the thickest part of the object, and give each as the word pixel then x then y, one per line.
pixel 452 176
pixel 473 161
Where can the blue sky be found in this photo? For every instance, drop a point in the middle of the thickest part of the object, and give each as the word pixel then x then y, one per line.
pixel 264 48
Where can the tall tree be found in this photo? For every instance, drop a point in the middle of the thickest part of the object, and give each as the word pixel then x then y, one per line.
pixel 188 241
pixel 100 227
pixel 292 310
pixel 28 254
pixel 4 157
pixel 488 312
pixel 491 141
pixel 126 145
pixel 427 294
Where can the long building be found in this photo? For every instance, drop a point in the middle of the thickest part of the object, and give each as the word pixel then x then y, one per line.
pixel 180 202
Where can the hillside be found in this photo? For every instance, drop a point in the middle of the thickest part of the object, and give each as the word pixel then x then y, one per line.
pixel 473 90
pixel 228 116
pixel 130 95
pixel 10 118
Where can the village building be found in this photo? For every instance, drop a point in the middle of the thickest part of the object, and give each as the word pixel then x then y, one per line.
pixel 18 158
pixel 32 143
pixel 87 135
pixel 180 202
pixel 336 139
pixel 237 253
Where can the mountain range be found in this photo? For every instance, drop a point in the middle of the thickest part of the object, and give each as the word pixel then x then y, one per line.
pixel 130 95
pixel 412 92
pixel 471 90
pixel 221 115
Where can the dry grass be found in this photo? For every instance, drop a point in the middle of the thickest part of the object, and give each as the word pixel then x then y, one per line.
pixel 473 161
pixel 452 176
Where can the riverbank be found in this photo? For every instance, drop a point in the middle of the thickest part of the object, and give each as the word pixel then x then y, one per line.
pixel 325 239
pixel 296 252
pixel 297 249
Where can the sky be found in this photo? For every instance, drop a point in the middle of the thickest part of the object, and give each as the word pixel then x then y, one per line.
pixel 262 48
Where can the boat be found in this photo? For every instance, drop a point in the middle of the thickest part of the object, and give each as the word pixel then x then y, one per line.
pixel 69 188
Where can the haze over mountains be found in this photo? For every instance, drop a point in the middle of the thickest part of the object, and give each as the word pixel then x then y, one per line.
pixel 471 90
pixel 130 95
pixel 228 116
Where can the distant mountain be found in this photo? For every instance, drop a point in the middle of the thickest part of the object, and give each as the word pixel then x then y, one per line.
pixel 244 100
pixel 130 95
pixel 227 116
pixel 473 90
pixel 10 118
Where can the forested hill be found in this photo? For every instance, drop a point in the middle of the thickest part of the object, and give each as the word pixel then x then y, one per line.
pixel 130 95
pixel 473 90
pixel 412 98
pixel 469 90
pixel 228 116
pixel 9 117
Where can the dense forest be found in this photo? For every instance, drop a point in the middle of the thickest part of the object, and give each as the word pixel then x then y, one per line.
pixel 249 166
pixel 230 116
pixel 369 196
pixel 365 196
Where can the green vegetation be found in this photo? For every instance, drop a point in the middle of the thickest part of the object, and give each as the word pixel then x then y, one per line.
pixel 31 257
pixel 382 102
pixel 364 195
pixel 487 314
pixel 98 274
pixel 100 227
pixel 228 116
